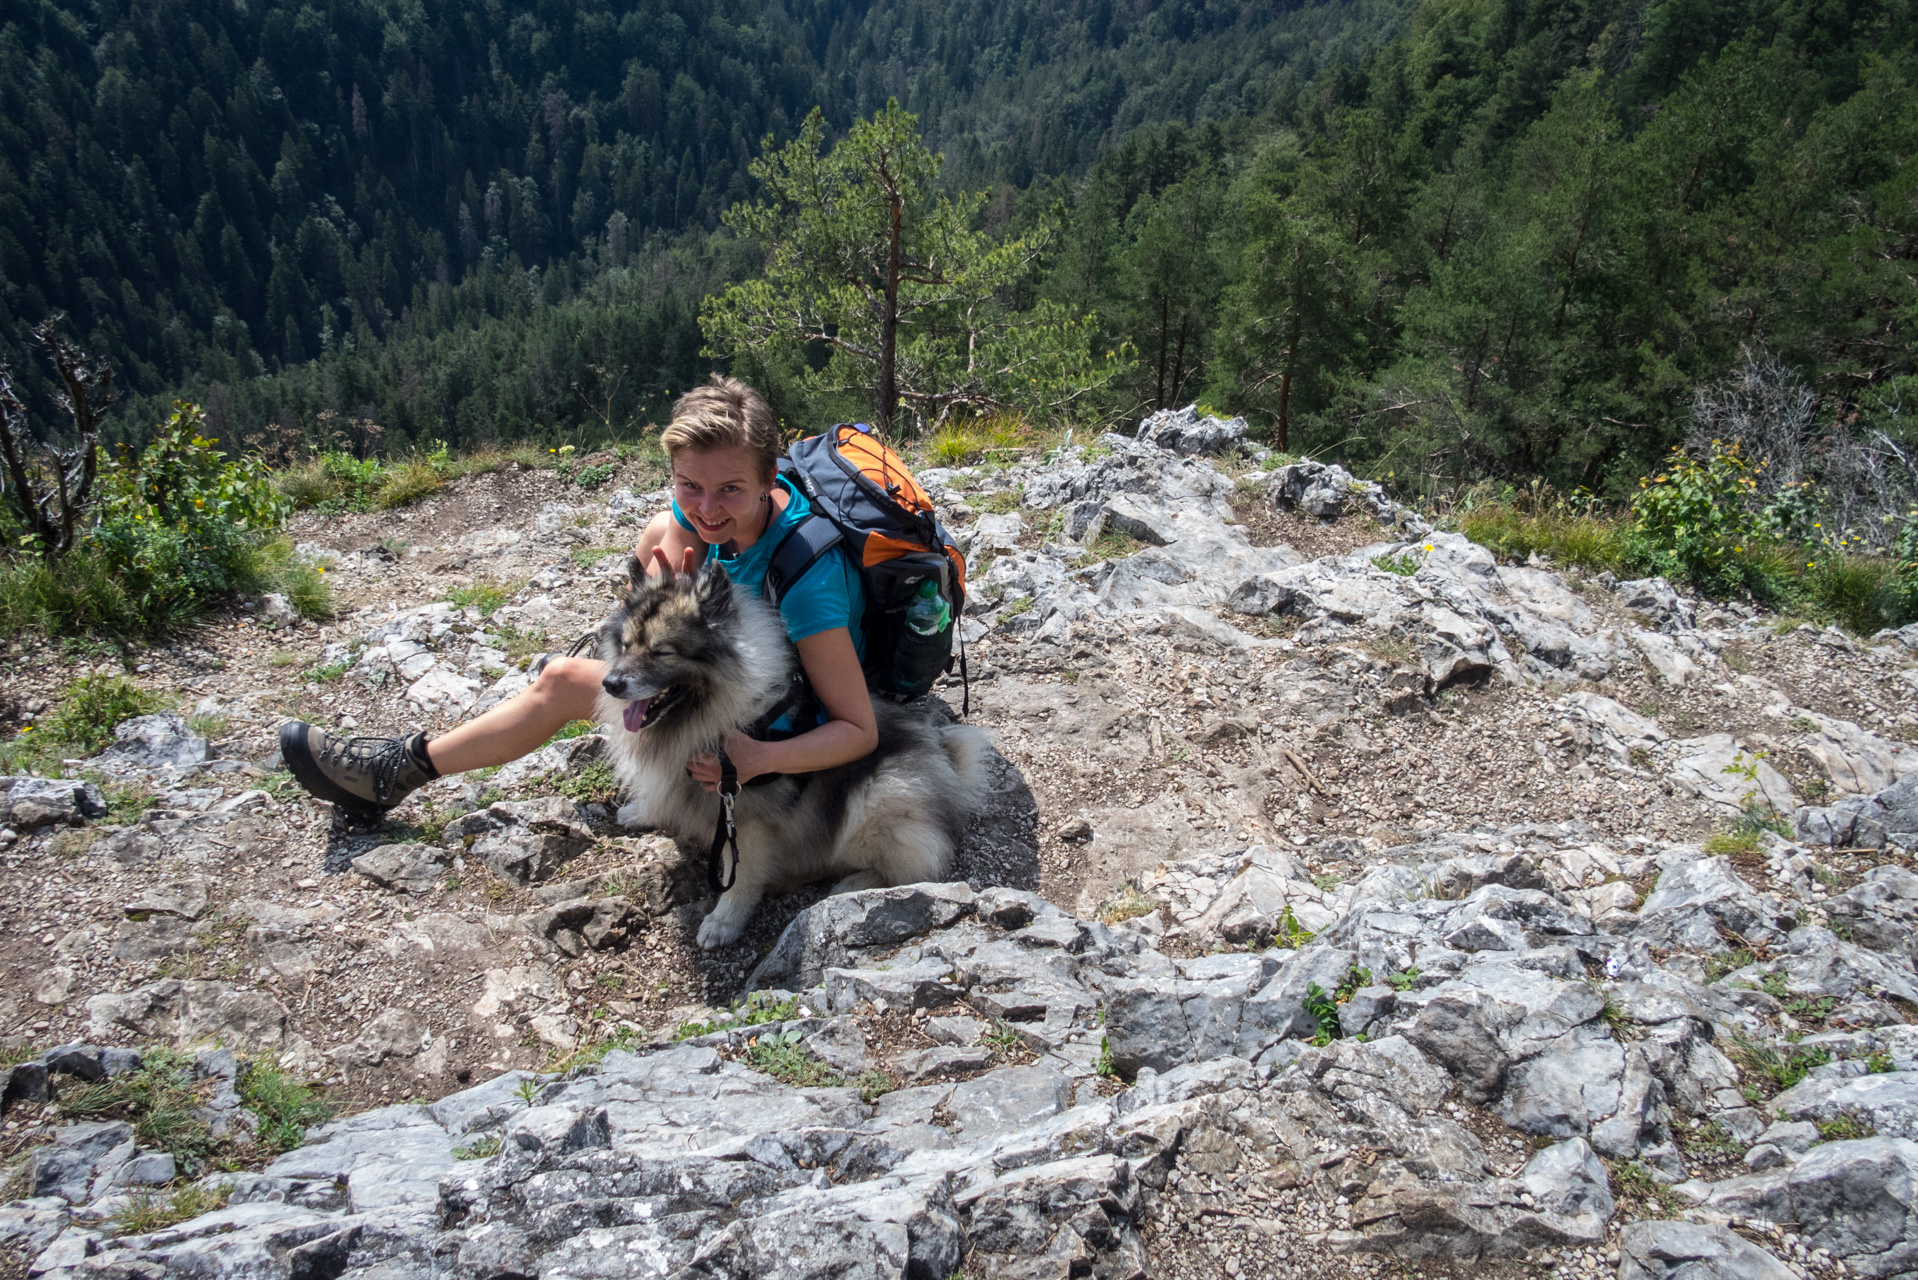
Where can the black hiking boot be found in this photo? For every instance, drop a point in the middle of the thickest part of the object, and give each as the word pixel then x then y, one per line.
pixel 365 775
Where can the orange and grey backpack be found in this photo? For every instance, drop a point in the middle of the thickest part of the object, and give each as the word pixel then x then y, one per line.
pixel 866 500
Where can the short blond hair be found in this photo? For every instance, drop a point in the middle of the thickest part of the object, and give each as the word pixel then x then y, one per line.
pixel 725 414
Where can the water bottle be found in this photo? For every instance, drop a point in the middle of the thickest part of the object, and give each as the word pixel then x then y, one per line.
pixel 929 613
pixel 926 644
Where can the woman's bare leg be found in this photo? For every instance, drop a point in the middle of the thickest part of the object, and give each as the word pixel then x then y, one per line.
pixel 567 689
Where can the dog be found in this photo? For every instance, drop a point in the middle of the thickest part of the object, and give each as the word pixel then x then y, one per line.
pixel 689 657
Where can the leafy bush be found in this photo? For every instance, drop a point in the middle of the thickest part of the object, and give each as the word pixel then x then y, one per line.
pixel 94 706
pixel 1694 521
pixel 593 477
pixel 178 526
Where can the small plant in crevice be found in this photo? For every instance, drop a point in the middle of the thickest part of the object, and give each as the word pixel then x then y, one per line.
pixel 480 1148
pixel 781 1055
pixel 151 1210
pixel 1324 1011
pixel 1845 1127
pixel 1002 1037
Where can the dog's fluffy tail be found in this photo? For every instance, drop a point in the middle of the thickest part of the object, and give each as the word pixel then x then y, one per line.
pixel 967 747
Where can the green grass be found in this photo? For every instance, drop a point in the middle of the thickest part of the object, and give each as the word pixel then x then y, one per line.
pixel 94 705
pixel 487 597
pixel 781 1055
pixel 407 482
pixel 961 443
pixel 1844 1128
pixel 479 1148
pixel 1781 1068
pixel 587 557
pixel 755 1010
pixel 286 1108
pixel 1111 544
pixel 1513 532
pixel 159 1100
pixel 1403 565
pixel 596 783
pixel 302 581
pixel 151 1210
pixel 575 729
pixel 1129 905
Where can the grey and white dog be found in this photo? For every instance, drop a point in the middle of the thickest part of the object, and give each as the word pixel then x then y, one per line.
pixel 689 657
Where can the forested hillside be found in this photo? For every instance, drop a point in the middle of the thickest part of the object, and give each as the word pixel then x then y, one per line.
pixel 1458 239
pixel 213 190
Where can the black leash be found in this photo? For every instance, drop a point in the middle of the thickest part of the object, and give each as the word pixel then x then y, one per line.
pixel 726 834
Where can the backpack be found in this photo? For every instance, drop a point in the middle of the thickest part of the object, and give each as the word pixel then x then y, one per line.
pixel 864 498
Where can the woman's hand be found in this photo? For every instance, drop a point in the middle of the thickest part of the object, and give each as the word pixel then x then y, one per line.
pixel 748 757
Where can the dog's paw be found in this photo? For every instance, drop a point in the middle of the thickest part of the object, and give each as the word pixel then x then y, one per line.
pixel 631 814
pixel 722 927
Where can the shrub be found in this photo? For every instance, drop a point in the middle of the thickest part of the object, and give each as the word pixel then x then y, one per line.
pixel 408 482
pixel 94 706
pixel 1693 520
pixel 178 527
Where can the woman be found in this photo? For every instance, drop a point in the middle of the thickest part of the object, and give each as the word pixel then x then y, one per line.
pixel 730 506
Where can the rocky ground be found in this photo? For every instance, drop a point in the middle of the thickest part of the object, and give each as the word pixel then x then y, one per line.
pixel 1343 903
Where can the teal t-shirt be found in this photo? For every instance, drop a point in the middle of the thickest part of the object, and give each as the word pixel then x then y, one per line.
pixel 831 594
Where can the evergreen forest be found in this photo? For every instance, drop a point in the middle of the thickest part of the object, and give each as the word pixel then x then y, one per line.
pixel 1443 240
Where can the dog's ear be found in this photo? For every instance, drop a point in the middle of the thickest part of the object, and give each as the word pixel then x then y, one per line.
pixel 712 588
pixel 635 573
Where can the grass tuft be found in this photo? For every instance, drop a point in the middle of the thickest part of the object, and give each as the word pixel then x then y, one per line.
pixel 95 706
pixel 149 1211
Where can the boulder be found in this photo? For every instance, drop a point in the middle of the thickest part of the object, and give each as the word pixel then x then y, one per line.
pixel 29 804
pixel 155 743
pixel 405 868
pixel 1655 1250
pixel 1188 431
pixel 1853 1199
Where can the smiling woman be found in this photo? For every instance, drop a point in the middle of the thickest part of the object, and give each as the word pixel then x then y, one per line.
pixel 730 511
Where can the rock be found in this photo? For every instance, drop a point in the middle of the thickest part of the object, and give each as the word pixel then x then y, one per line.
pixel 1715 768
pixel 186 899
pixel 1853 1199
pixel 396 1033
pixel 1187 431
pixel 153 743
pixel 1007 1099
pixel 1656 599
pixel 1887 1102
pixel 1695 896
pixel 23 1082
pixel 277 611
pixel 187 1012
pixel 996 533
pixel 443 693
pixel 1568 1179
pixel 1855 760
pixel 956 1030
pixel 925 1064
pixel 1881 911
pixel 55 985
pixel 831 932
pixel 1655 1250
pixel 840 1045
pixel 66 1168
pixel 30 804
pixel 1890 816
pixel 588 924
pixel 405 868
pixel 525 841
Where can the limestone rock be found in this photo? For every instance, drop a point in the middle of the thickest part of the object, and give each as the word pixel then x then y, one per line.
pixel 1655 1250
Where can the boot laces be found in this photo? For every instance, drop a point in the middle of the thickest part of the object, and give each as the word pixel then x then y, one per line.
pixel 380 759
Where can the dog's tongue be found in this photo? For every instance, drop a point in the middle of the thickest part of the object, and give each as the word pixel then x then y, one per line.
pixel 635 714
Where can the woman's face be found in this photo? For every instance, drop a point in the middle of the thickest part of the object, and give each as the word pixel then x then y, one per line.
pixel 721 492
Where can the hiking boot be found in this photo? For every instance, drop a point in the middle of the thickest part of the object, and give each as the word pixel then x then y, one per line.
pixel 366 775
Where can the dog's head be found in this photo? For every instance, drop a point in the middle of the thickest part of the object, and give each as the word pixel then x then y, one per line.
pixel 670 644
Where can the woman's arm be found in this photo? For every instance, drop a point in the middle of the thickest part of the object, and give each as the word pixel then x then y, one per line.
pixel 832 665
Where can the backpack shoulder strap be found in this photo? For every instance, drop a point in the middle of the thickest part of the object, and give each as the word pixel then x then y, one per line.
pixel 797 552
